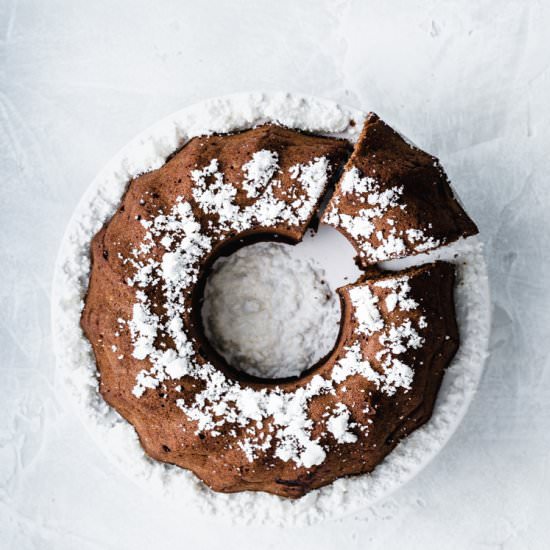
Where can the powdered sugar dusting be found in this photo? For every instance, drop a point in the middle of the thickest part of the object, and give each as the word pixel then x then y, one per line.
pixel 399 296
pixel 224 401
pixel 376 205
pixel 365 309
pixel 338 425
pixel 261 296
pixel 216 196
pixel 287 411
pixel 259 171
pixel 395 340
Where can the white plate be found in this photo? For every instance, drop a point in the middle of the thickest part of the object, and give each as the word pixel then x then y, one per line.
pixel 76 366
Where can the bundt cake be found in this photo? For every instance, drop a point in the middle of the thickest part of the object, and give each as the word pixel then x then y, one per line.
pixel 398 330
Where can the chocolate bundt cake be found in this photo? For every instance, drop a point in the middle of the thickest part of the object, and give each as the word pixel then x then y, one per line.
pixel 398 329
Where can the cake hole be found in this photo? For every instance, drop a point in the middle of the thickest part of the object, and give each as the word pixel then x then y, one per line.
pixel 271 310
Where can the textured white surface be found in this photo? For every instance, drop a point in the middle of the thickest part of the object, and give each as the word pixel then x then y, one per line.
pixel 467 82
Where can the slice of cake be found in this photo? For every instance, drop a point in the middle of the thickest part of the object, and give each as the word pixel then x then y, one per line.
pixel 393 199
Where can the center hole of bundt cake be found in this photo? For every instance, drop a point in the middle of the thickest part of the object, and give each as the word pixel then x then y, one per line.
pixel 271 310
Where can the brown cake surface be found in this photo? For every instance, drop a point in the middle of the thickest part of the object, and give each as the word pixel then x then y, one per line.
pixel 393 199
pixel 188 407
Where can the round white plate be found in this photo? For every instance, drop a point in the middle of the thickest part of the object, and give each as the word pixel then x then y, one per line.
pixel 76 365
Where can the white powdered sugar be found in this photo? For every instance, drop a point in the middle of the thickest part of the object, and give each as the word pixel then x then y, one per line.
pixel 365 309
pixel 338 425
pixel 185 246
pixel 399 295
pixel 224 401
pixel 421 241
pixel 352 182
pixel 216 196
pixel 77 367
pixel 313 178
pixel 377 207
pixel 269 314
pixel 259 171
pixel 395 340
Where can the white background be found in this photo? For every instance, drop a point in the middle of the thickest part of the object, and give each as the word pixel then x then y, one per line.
pixel 468 81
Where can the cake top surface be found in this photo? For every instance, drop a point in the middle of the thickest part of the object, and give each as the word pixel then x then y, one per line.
pixel 169 257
